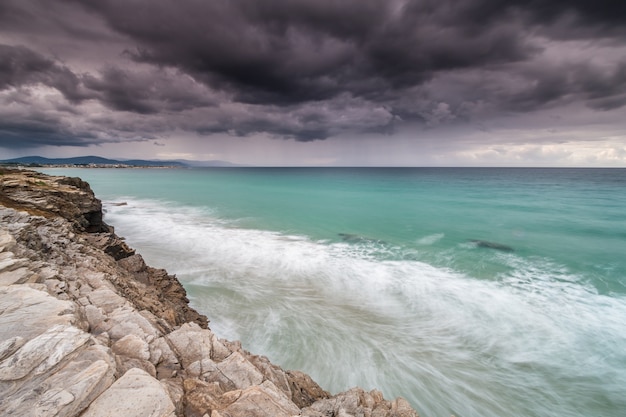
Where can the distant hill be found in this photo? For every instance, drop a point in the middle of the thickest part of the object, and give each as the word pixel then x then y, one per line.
pixel 86 160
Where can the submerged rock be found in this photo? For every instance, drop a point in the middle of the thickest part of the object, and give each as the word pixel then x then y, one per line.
pixel 88 329
pixel 352 238
pixel 492 245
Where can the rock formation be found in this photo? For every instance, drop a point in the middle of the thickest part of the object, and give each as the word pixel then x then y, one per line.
pixel 88 329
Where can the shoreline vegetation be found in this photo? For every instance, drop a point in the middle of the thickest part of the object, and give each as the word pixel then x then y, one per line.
pixel 88 329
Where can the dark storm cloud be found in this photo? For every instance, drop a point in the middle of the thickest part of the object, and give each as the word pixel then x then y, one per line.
pixel 145 93
pixel 310 69
pixel 283 52
pixel 21 66
pixel 542 87
pixel 312 49
pixel 37 129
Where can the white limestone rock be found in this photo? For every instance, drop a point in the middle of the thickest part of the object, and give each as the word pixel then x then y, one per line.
pixel 66 392
pixel 191 343
pixel 131 351
pixel 106 299
pixel 164 359
pixel 357 402
pixel 9 262
pixel 95 319
pixel 126 320
pixel 135 394
pixel 257 401
pixel 27 312
pixel 219 351
pixel 271 372
pixel 132 346
pixel 240 371
pixel 43 352
pixel 7 241
pixel 15 276
pixel 280 397
pixel 10 346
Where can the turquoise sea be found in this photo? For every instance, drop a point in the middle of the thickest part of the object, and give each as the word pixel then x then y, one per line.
pixel 470 292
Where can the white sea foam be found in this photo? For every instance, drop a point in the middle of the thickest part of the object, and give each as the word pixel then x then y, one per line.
pixel 536 341
pixel 430 239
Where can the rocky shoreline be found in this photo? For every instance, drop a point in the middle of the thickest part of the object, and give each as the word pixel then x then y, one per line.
pixel 88 329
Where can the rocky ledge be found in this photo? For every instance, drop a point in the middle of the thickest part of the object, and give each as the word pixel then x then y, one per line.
pixel 88 329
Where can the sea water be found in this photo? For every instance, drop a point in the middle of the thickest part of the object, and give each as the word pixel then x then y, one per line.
pixel 470 292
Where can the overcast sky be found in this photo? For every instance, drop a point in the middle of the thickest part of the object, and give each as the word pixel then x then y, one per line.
pixel 316 82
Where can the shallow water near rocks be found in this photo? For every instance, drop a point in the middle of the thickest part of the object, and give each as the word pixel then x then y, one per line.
pixel 374 277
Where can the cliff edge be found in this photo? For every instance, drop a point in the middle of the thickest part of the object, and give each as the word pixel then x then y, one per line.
pixel 88 329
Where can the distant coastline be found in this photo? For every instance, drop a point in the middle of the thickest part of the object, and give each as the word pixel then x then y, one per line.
pixel 107 166
pixel 100 162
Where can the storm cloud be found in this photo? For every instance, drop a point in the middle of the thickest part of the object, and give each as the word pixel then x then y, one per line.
pixel 93 71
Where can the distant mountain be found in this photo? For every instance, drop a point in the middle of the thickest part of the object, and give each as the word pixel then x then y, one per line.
pixel 86 160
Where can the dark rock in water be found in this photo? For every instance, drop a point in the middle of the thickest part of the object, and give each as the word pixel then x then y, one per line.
pixel 351 238
pixel 491 245
pixel 347 237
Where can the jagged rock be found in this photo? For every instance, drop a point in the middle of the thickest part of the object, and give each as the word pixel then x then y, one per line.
pixel 196 343
pixel 39 194
pixel 240 371
pixel 126 320
pixel 401 408
pixel 235 372
pixel 134 394
pixel 202 398
pixel 357 403
pixel 133 263
pixel 112 245
pixel 304 391
pixel 164 359
pixel 174 387
pixel 259 401
pixel 272 373
pixel 124 364
pixel 133 351
pixel 132 346
pixel 154 290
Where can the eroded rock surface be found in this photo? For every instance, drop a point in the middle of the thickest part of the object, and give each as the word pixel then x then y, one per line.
pixel 88 329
